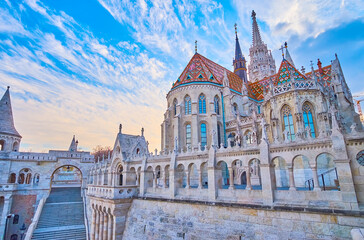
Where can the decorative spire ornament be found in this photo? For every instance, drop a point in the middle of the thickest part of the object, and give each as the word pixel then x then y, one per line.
pixel 196 46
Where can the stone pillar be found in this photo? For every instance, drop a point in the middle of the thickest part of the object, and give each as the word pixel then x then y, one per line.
pixel 6 210
pixel 142 182
pixel 291 179
pixel 101 227
pixel 105 226
pixel 97 224
pixel 231 178
pixel 110 234
pixel 165 178
pixel 188 184
pixel 137 178
pixel 315 179
pixel 212 185
pixel 194 126
pixel 93 224
pixel 248 182
pixel 200 179
pixel 155 179
pixel 346 182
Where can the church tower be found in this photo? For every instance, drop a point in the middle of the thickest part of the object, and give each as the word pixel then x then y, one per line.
pixel 261 63
pixel 9 136
pixel 239 62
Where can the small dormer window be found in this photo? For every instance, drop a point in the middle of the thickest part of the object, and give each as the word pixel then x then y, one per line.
pixel 138 150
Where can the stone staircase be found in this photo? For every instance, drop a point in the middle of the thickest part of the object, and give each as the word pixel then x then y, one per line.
pixel 62 216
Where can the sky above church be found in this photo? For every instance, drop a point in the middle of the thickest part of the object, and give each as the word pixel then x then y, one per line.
pixel 82 67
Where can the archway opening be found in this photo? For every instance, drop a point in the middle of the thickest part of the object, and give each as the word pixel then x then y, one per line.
pixel 2 144
pixel 67 176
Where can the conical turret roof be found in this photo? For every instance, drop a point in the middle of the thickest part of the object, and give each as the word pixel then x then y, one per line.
pixel 6 116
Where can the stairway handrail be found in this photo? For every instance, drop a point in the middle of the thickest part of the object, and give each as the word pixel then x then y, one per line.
pixel 38 212
pixel 85 214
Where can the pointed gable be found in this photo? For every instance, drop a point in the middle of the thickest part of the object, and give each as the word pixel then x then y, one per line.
pixel 324 76
pixel 6 116
pixel 285 72
pixel 201 69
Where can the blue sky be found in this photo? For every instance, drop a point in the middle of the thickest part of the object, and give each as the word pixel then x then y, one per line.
pixel 82 67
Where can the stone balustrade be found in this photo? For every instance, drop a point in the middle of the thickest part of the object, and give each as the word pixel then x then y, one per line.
pixel 118 192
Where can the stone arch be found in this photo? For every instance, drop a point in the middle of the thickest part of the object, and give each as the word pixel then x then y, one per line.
pixel 12 178
pixel 166 176
pixel 181 178
pixel 327 172
pixel 36 179
pixel 193 178
pixel 119 172
pixel 222 175
pixel 237 171
pixel 281 173
pixel 302 173
pixel 15 146
pixel 204 175
pixel 158 175
pixel 255 175
pixel 77 168
pixel 25 176
pixel 149 176
pixel 132 179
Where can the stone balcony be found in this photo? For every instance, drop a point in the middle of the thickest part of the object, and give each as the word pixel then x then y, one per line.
pixel 109 192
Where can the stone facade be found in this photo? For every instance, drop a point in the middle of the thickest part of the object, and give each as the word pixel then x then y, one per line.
pixel 259 153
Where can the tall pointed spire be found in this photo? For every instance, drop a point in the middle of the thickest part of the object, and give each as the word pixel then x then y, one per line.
pixel 261 63
pixel 6 116
pixel 239 61
pixel 257 40
pixel 288 56
pixel 73 146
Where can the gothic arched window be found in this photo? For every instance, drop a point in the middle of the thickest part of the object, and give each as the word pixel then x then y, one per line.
pixel 218 135
pixel 188 136
pixel 308 118
pixel 203 135
pixel 187 105
pixel 202 103
pixel 217 105
pixel 248 137
pixel 288 122
pixel 235 106
pixel 175 106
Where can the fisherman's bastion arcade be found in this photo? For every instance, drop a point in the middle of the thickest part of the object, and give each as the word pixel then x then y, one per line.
pixel 266 151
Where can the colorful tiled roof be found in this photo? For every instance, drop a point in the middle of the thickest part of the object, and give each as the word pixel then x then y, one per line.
pixel 257 89
pixel 201 69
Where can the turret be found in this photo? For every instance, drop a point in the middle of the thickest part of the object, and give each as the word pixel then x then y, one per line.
pixel 239 62
pixel 73 146
pixel 261 63
pixel 9 136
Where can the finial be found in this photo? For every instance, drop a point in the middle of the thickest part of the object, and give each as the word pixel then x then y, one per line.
pixel 196 46
pixel 236 30
pixel 142 131
pixel 8 87
pixel 253 14
pixel 336 55
pixel 120 127
pixel 282 51
pixel 285 44
pixel 311 64
pixel 303 70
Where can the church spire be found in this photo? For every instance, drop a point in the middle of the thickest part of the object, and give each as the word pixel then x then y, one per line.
pixel 239 61
pixel 6 116
pixel 262 63
pixel 288 56
pixel 73 146
pixel 257 40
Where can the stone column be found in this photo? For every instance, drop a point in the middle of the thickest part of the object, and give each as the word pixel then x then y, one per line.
pixel 165 178
pixel 6 210
pixel 248 182
pixel 231 178
pixel 110 228
pixel 101 227
pixel 315 179
pixel 109 179
pixel 93 224
pixel 137 178
pixel 105 226
pixel 155 179
pixel 188 182
pixel 97 224
pixel 212 185
pixel 200 179
pixel 194 126
pixel 291 179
